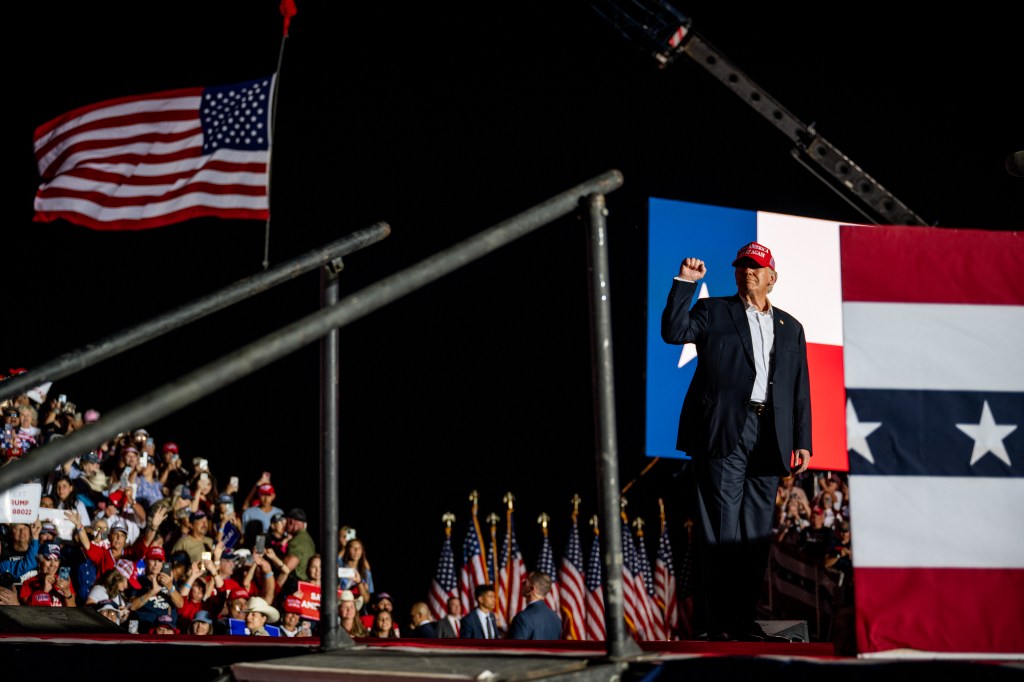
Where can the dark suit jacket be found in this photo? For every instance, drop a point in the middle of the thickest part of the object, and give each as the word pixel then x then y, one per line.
pixel 471 628
pixel 445 629
pixel 536 621
pixel 715 406
pixel 425 630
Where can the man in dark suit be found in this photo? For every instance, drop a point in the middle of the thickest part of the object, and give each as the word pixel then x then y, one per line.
pixel 449 626
pixel 746 420
pixel 537 620
pixel 423 624
pixel 480 623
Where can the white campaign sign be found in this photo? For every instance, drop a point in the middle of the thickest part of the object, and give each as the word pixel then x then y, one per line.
pixel 20 504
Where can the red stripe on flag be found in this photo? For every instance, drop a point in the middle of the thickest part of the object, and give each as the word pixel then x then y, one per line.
pixel 939 609
pixel 902 265
pixel 828 407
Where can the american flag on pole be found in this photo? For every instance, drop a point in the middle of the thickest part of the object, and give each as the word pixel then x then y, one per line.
pixel 546 564
pixel 594 620
pixel 634 593
pixel 510 574
pixel 665 579
pixel 444 585
pixel 146 161
pixel 474 567
pixel 655 617
pixel 572 582
pixel 933 324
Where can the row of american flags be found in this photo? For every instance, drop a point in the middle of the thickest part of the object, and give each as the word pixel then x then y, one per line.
pixel 658 600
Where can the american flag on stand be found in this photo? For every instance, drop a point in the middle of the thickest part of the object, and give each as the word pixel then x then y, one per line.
pixel 594 630
pixel 474 567
pixel 546 564
pixel 444 585
pixel 510 573
pixel 655 617
pixel 572 582
pixel 145 161
pixel 634 593
pixel 665 579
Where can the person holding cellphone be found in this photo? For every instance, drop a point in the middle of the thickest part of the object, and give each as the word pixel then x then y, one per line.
pixel 51 586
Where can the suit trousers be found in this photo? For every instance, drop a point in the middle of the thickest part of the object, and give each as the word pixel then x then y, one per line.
pixel 736 498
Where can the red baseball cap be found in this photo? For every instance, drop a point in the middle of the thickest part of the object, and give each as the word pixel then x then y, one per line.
pixel 170 447
pixel 759 253
pixel 156 553
pixel 266 489
pixel 292 604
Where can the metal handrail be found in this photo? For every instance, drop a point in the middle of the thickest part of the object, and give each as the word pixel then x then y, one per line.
pixel 74 361
pixel 334 315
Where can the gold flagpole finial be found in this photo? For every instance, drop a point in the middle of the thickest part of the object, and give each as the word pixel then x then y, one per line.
pixel 493 519
pixel 509 499
pixel 448 519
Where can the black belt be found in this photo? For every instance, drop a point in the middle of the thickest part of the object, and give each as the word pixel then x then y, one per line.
pixel 759 407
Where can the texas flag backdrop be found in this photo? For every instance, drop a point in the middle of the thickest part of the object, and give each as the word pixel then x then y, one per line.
pixel 933 330
pixel 806 254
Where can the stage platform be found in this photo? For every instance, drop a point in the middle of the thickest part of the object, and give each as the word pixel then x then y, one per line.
pixel 262 659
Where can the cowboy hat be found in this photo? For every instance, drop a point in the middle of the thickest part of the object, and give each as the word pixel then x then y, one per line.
pixel 260 605
pixel 347 595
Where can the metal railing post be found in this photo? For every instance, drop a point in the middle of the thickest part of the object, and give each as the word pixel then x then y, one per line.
pixel 620 645
pixel 329 467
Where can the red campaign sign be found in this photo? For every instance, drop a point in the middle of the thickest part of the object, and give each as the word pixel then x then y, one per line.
pixel 309 595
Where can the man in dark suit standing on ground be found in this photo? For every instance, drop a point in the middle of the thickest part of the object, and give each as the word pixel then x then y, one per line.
pixel 480 622
pixel 537 620
pixel 449 626
pixel 746 420
pixel 422 623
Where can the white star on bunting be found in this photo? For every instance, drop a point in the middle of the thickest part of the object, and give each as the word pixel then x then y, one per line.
pixel 988 436
pixel 857 433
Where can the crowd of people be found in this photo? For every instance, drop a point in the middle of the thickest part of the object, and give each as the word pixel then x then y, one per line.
pixel 152 541
pixel 812 518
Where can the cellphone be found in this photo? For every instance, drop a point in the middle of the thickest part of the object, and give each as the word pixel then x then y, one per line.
pixel 64 573
pixel 260 546
pixel 204 476
pixel 62 398
pixel 207 556
pixel 350 534
pixel 229 508
pixel 233 482
pixel 346 572
pixel 166 570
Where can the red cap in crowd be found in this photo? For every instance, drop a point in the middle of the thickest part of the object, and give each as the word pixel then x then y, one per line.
pixel 266 489
pixel 292 604
pixel 156 553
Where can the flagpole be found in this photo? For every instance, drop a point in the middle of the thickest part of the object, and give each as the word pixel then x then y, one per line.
pixel 288 10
